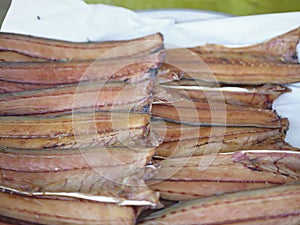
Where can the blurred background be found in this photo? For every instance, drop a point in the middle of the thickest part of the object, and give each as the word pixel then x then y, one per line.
pixel 4 5
pixel 234 7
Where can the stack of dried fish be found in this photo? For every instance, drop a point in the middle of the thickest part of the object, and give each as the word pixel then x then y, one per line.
pixel 98 133
pixel 228 93
pixel 224 159
pixel 75 132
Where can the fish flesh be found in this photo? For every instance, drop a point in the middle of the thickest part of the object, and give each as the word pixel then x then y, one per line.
pixel 115 173
pixel 212 174
pixel 186 140
pixel 78 130
pixel 215 114
pixel 18 48
pixel 277 205
pixel 59 211
pixel 86 96
pixel 258 97
pixel 274 62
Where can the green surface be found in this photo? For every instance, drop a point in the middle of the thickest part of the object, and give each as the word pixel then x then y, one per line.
pixel 236 7
pixel 4 5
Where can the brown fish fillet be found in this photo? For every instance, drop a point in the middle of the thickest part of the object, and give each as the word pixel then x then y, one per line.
pixel 84 97
pixel 274 62
pixel 282 47
pixel 268 206
pixel 76 130
pixel 38 75
pixel 50 49
pixel 60 211
pixel 186 140
pixel 215 113
pixel 233 68
pixel 110 172
pixel 9 87
pixel 222 173
pixel 258 97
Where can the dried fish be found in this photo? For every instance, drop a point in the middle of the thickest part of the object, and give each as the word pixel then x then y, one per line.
pixel 110 172
pixel 186 140
pixel 224 172
pixel 55 210
pixel 216 113
pixel 233 68
pixel 13 48
pixel 34 75
pixel 281 47
pixel 258 97
pixel 276 205
pixel 274 62
pixel 77 130
pixel 84 97
pixel 9 87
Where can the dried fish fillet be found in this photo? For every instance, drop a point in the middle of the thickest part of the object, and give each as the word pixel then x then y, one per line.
pixel 110 172
pixel 274 62
pixel 84 97
pixel 223 173
pixel 233 68
pixel 29 47
pixel 215 113
pixel 8 87
pixel 258 97
pixel 276 205
pixel 77 130
pixel 185 140
pixel 282 47
pixel 34 75
pixel 55 210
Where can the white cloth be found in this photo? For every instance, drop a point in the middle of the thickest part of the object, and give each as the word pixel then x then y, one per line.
pixel 74 20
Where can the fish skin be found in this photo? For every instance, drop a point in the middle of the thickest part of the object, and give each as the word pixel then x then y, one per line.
pixel 186 140
pixel 111 172
pixel 57 50
pixel 278 205
pixel 8 87
pixel 281 47
pixel 233 68
pixel 84 97
pixel 208 175
pixel 38 75
pixel 257 97
pixel 78 130
pixel 215 113
pixel 271 62
pixel 63 211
